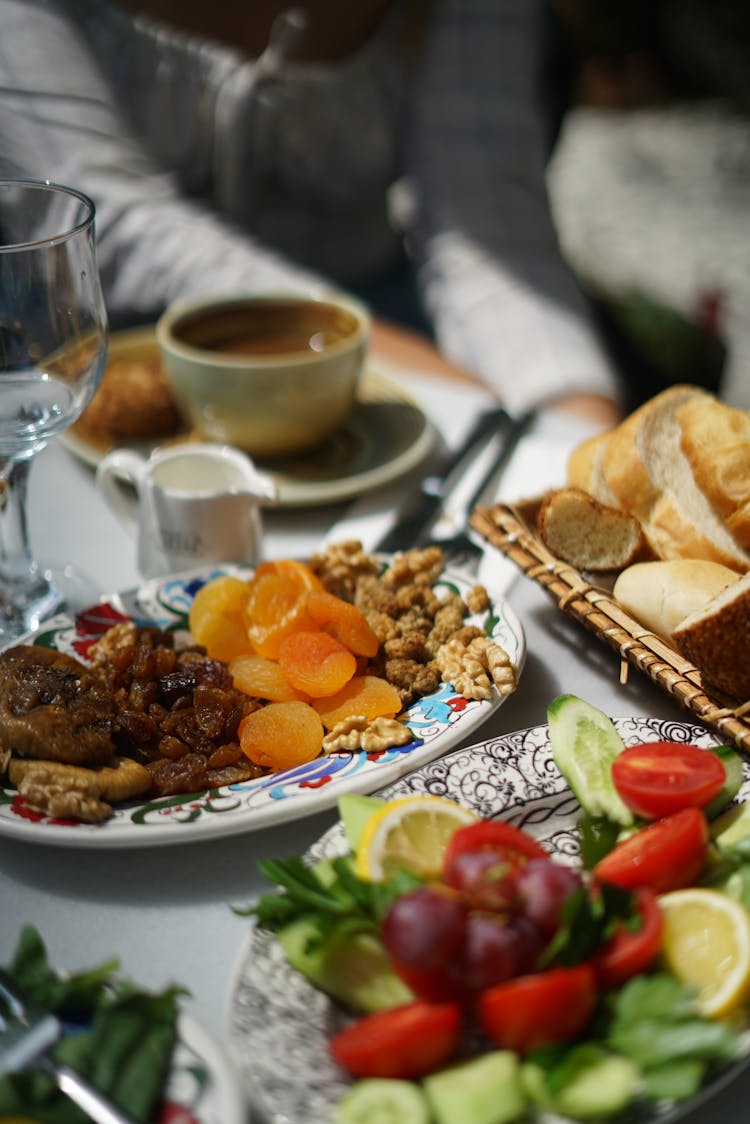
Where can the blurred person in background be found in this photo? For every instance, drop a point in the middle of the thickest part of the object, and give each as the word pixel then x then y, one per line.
pixel 395 148
pixel 649 185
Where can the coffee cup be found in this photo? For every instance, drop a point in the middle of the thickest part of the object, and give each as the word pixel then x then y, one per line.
pixel 187 505
pixel 272 375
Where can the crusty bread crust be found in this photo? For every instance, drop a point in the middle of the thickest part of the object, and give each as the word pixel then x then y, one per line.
pixel 585 467
pixel 717 640
pixel 641 467
pixel 715 439
pixel 625 462
pixel 673 536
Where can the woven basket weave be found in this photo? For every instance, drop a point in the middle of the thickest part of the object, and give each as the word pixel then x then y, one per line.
pixel 594 607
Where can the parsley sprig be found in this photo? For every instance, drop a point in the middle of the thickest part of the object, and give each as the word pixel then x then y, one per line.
pixel 589 919
pixel 330 894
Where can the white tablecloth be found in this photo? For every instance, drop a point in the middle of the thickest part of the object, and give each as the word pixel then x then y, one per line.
pixel 167 912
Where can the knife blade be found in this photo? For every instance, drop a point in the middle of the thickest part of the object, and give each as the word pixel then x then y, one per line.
pixel 423 507
pixel 510 433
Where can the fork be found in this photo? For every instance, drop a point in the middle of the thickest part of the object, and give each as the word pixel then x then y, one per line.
pixel 461 549
pixel 27 1033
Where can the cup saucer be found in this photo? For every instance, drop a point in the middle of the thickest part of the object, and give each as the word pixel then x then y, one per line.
pixel 384 437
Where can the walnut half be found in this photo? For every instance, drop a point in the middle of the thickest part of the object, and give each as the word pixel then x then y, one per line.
pixel 473 668
pixel 371 735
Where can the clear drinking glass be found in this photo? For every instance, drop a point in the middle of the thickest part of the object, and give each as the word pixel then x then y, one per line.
pixel 53 347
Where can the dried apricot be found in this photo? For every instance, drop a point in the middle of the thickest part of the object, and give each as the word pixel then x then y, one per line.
pixel 298 572
pixel 343 620
pixel 276 606
pixel 282 734
pixel 316 663
pixel 263 679
pixel 217 617
pixel 365 695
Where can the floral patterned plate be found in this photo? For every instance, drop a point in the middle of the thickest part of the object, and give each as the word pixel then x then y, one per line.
pixel 276 1013
pixel 438 722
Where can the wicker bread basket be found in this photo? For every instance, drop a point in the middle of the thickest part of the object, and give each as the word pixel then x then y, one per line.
pixel 594 607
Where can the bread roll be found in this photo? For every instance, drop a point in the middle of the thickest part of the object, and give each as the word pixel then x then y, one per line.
pixel 588 534
pixel 662 594
pixel 717 640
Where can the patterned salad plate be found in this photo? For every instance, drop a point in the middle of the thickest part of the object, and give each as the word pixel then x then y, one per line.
pixel 276 1013
pixel 438 722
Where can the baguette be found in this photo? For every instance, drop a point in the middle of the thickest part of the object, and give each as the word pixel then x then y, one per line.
pixel 716 639
pixel 662 594
pixel 588 534
pixel 585 468
pixel 643 466
pixel 715 439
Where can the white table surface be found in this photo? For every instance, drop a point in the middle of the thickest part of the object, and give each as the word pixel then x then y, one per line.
pixel 167 912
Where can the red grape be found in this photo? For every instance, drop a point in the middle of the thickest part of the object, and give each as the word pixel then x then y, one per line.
pixel 487 877
pixel 425 928
pixel 543 888
pixel 531 943
pixel 492 952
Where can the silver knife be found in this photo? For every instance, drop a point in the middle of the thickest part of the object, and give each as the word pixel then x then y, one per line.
pixel 416 517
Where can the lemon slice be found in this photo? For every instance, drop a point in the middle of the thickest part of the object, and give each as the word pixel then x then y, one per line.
pixel 706 943
pixel 409 833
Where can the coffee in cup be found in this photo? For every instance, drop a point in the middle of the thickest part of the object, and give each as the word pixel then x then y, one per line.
pixel 273 375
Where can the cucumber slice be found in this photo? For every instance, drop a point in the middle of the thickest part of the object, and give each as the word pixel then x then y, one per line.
pixel 732 826
pixel 584 744
pixel 735 776
pixel 352 967
pixel 383 1100
pixel 355 810
pixel 483 1090
pixel 602 1087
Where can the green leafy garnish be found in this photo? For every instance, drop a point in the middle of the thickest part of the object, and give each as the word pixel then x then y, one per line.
pixel 654 1021
pixel 588 921
pixel 597 836
pixel 330 894
pixel 117 1036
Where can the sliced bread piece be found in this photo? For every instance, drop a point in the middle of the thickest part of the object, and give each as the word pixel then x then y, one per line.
pixel 715 439
pixel 647 470
pixel 624 464
pixel 588 534
pixel 661 594
pixel 717 640
pixel 585 468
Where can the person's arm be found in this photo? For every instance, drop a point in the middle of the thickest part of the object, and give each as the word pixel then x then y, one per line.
pixel 503 302
pixel 58 121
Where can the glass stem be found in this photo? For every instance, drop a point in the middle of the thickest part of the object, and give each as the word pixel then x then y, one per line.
pixel 20 579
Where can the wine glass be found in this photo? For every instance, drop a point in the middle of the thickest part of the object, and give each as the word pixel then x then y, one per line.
pixel 53 347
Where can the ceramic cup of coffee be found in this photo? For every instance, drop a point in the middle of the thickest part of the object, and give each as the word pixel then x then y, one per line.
pixel 273 375
pixel 187 505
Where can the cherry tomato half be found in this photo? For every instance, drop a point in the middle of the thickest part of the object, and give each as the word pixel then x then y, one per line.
pixel 405 1042
pixel 629 952
pixel 492 835
pixel 540 1009
pixel 659 778
pixel 666 855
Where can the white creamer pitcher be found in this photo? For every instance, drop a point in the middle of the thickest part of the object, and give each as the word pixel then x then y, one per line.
pixel 193 504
